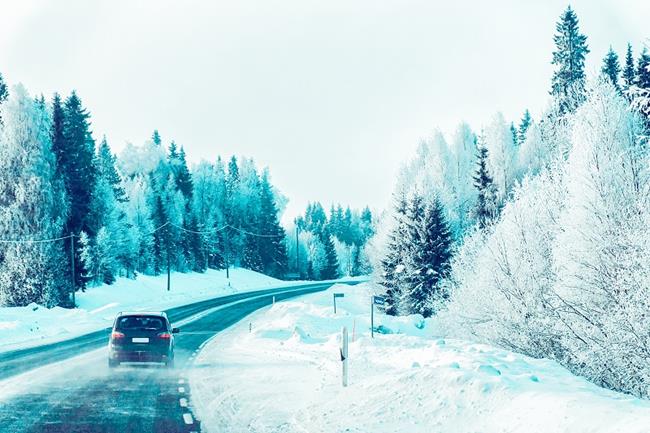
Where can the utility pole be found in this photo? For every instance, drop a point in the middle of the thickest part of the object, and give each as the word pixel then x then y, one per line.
pixel 72 277
pixel 227 253
pixel 297 251
pixel 344 354
pixel 169 277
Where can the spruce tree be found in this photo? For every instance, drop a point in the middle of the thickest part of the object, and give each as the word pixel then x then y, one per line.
pixel 643 71
pixel 183 176
pixel 155 137
pixel 77 164
pixel 58 140
pixel 484 209
pixel 629 76
pixel 526 120
pixel 106 168
pixel 515 136
pixel 367 228
pixel 392 264
pixel 162 238
pixel 568 82
pixel 429 261
pixel 611 68
pixel 331 269
pixel 272 246
pixel 4 94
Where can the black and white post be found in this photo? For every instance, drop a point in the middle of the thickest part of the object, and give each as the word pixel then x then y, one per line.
pixel 344 354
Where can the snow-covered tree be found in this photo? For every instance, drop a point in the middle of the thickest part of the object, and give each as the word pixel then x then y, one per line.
pixel 4 93
pixel 429 252
pixel 485 208
pixel 501 155
pixel 568 82
pixel 629 75
pixel 611 68
pixel 32 207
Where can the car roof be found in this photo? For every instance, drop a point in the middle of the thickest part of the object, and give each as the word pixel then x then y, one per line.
pixel 142 313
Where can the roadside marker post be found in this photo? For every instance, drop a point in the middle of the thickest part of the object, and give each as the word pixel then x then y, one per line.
pixel 375 300
pixel 337 295
pixel 344 354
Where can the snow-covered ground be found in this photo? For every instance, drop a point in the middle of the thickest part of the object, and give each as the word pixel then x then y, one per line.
pixel 32 325
pixel 285 376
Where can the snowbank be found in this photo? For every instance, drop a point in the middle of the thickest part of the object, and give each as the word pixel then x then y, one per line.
pixel 32 325
pixel 284 376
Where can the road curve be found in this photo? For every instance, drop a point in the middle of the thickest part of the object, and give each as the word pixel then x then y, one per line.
pixel 89 398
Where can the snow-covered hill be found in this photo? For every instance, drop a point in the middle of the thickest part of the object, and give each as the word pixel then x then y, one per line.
pixel 285 376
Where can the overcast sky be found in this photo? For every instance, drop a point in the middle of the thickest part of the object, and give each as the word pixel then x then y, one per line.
pixel 331 95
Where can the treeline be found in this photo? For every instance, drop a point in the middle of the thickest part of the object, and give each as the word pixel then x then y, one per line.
pixel 72 214
pixel 329 247
pixel 472 174
pixel 549 224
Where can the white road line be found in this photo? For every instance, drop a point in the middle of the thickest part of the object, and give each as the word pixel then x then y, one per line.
pixel 181 389
pixel 187 417
pixel 181 381
pixel 183 402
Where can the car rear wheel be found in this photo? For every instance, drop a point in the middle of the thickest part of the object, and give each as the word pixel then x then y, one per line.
pixel 113 363
pixel 170 363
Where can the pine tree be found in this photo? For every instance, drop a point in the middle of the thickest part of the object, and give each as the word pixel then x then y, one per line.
pixel 58 140
pixel 272 246
pixel 331 269
pixel 155 137
pixel 629 76
pixel 526 120
pixel 429 262
pixel 611 69
pixel 367 228
pixel 162 238
pixel 106 168
pixel 392 264
pixel 515 136
pixel 4 93
pixel 79 171
pixel 172 154
pixel 568 82
pixel 643 71
pixel 183 176
pixel 484 210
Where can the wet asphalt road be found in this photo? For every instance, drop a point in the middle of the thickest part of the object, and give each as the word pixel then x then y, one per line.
pixel 130 399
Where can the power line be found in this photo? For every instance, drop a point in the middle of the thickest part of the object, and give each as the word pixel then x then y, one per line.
pixel 168 223
pixel 34 241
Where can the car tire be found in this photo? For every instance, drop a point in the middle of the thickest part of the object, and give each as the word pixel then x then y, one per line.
pixel 113 363
pixel 170 363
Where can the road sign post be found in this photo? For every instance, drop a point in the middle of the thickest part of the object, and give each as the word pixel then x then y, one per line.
pixel 344 355
pixel 375 300
pixel 337 295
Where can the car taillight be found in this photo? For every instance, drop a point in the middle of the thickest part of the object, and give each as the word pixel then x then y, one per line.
pixel 116 335
pixel 165 335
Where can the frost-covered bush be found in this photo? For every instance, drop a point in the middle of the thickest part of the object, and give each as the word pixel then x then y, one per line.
pixel 565 272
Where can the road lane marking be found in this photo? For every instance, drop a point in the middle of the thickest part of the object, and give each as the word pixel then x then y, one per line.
pixel 183 402
pixel 181 389
pixel 187 417
pixel 181 381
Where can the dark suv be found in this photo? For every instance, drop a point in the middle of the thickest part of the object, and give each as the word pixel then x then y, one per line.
pixel 141 337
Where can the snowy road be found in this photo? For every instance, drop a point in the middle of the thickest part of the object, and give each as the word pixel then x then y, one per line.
pixel 80 394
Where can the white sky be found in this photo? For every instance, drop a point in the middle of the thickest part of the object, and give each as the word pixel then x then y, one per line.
pixel 332 95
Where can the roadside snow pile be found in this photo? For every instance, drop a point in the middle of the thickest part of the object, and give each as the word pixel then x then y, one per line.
pixel 32 325
pixel 285 376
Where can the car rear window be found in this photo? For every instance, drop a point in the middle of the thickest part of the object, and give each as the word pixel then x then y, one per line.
pixel 141 322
